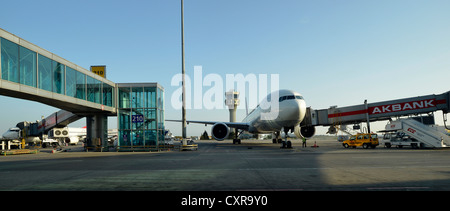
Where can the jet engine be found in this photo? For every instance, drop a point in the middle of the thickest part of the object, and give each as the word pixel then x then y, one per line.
pixel 220 131
pixel 306 132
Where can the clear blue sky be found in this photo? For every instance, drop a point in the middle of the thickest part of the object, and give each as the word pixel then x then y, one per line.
pixel 332 52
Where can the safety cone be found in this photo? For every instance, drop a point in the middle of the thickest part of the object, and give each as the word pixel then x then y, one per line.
pixel 315 145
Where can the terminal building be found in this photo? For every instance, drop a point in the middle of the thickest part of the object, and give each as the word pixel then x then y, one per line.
pixel 32 73
pixel 140 115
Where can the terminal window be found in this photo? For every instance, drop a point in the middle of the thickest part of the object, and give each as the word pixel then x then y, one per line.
pixel 45 73
pixel 10 61
pixel 27 66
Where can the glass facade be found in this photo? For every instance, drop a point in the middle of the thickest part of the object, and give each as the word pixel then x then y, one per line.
pixel 71 82
pixel 93 90
pixel 140 106
pixel 45 73
pixel 140 116
pixel 28 67
pixel 10 61
pixel 58 77
pixel 24 66
pixel 108 95
pixel 81 88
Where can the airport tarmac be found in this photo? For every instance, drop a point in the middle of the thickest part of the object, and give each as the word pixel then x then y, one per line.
pixel 221 166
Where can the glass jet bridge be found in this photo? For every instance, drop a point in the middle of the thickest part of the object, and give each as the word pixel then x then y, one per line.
pixel 33 73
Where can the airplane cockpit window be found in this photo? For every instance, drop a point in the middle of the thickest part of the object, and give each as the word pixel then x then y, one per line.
pixel 290 97
pixel 298 97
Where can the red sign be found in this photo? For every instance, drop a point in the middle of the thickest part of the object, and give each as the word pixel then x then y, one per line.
pixel 411 130
pixel 413 105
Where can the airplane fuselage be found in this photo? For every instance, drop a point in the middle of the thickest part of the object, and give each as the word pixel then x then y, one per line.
pixel 290 113
pixel 12 134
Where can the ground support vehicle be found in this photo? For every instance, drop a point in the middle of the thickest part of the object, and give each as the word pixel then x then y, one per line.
pixel 365 140
pixel 409 132
pixel 399 140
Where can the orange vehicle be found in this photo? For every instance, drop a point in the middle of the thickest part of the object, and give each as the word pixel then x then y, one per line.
pixel 365 140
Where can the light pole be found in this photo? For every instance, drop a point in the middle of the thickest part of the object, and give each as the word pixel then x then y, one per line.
pixel 182 72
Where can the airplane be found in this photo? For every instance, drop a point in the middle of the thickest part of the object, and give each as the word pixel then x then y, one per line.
pixel 72 136
pixel 75 134
pixel 291 112
pixel 12 134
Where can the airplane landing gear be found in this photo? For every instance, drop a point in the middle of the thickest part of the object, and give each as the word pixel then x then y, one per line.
pixel 276 137
pixel 236 139
pixel 286 144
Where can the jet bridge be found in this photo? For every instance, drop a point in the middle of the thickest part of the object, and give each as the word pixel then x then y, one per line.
pixel 369 112
pixel 96 126
pixel 57 119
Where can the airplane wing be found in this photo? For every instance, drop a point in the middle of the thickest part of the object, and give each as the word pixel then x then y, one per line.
pixel 238 125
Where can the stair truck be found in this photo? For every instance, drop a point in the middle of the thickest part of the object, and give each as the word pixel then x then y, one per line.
pixel 409 132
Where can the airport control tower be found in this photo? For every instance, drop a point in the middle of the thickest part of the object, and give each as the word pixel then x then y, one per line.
pixel 232 101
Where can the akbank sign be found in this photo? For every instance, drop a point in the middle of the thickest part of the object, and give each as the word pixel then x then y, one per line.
pixel 413 105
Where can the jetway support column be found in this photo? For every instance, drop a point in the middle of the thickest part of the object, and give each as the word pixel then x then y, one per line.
pixel 367 116
pixel 97 132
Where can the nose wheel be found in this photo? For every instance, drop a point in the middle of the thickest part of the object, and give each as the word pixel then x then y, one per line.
pixel 286 144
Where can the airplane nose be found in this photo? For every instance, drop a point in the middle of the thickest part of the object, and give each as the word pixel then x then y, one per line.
pixel 301 107
pixel 294 111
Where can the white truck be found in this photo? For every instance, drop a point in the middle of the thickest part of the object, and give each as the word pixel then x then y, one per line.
pixel 409 132
pixel 55 137
pixel 399 140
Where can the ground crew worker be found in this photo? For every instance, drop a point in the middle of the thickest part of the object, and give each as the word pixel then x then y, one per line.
pixel 304 142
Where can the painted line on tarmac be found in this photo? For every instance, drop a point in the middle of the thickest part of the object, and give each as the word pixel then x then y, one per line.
pixel 396 188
